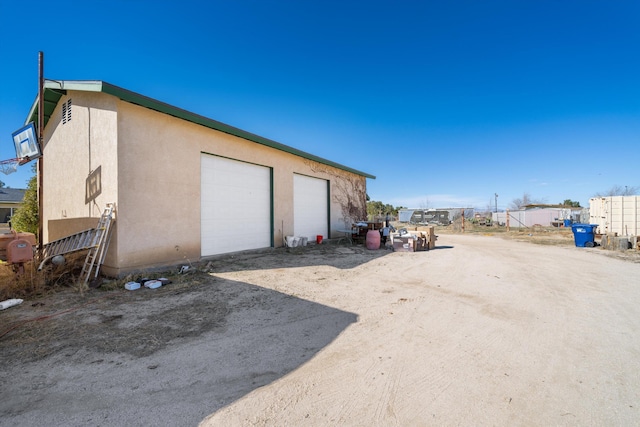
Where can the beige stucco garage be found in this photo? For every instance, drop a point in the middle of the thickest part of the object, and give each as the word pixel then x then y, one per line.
pixel 185 187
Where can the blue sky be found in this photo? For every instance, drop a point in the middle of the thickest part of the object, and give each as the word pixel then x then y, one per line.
pixel 446 102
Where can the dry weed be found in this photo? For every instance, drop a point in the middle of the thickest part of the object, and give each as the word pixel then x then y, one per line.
pixel 29 283
pixel 19 284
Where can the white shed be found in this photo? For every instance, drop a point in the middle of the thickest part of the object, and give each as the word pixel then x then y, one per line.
pixel 615 214
pixel 545 217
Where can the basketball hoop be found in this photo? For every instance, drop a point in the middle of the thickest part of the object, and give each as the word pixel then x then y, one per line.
pixel 23 160
pixel 9 166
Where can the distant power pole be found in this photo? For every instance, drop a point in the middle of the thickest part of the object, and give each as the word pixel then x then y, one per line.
pixel 496 202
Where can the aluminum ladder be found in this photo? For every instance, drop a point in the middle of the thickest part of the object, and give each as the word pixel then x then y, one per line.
pixel 96 240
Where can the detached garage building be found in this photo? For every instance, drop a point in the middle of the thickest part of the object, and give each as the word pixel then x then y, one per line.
pixel 185 187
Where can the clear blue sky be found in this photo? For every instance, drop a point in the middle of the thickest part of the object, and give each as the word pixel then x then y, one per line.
pixel 446 102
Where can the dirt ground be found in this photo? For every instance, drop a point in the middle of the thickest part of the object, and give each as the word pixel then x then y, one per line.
pixel 482 330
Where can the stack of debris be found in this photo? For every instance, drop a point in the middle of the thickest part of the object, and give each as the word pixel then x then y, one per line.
pixel 414 241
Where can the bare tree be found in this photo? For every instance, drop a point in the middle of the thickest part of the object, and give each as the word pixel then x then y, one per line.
pixel 517 204
pixel 349 191
pixel 618 190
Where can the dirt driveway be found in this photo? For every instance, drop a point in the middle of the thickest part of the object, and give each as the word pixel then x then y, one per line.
pixel 480 331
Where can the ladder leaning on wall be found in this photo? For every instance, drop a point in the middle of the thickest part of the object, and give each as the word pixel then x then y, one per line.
pixel 96 240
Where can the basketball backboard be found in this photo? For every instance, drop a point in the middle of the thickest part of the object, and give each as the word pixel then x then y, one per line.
pixel 26 142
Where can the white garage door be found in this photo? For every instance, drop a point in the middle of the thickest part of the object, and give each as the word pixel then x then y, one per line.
pixel 310 207
pixel 235 205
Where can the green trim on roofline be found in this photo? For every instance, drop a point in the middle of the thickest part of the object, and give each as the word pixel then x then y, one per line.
pixel 55 89
pixel 51 98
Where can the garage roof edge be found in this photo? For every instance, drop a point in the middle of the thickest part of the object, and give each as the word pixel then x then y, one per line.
pixel 54 89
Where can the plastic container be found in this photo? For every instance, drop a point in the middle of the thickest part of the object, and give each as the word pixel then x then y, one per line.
pixel 567 223
pixel 153 284
pixel 319 239
pixel 373 239
pixel 132 286
pixel 583 235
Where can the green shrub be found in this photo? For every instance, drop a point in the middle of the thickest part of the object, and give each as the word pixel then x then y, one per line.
pixel 26 218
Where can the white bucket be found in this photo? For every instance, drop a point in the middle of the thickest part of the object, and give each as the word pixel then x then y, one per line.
pixel 303 241
pixel 289 240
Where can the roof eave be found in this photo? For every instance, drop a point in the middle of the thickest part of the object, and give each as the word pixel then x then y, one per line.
pixel 153 104
pixel 61 86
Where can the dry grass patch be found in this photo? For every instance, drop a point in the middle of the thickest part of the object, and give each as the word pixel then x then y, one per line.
pixel 539 235
pixel 30 283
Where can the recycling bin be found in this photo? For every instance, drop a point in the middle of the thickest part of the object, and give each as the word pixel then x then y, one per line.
pixel 583 235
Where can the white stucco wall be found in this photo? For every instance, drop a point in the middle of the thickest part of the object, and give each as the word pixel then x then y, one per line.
pixel 72 151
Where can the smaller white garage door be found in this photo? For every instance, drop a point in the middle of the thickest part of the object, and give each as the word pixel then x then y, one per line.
pixel 235 206
pixel 310 207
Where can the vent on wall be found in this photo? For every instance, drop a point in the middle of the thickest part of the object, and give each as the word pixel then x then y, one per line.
pixel 66 111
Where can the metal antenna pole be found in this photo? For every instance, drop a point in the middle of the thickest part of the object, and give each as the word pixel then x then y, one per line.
pixel 41 141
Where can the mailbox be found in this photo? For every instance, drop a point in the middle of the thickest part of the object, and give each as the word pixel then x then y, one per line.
pixel 19 250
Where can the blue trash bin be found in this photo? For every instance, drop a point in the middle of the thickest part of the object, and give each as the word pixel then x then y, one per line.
pixel 567 223
pixel 583 235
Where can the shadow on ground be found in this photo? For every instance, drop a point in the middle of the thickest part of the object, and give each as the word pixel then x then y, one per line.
pixel 169 356
pixel 334 255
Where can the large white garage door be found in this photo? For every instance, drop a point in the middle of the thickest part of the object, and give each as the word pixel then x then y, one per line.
pixel 235 205
pixel 310 209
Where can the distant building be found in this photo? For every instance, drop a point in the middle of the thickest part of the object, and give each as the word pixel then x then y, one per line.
pixel 537 215
pixel 10 201
pixel 433 216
